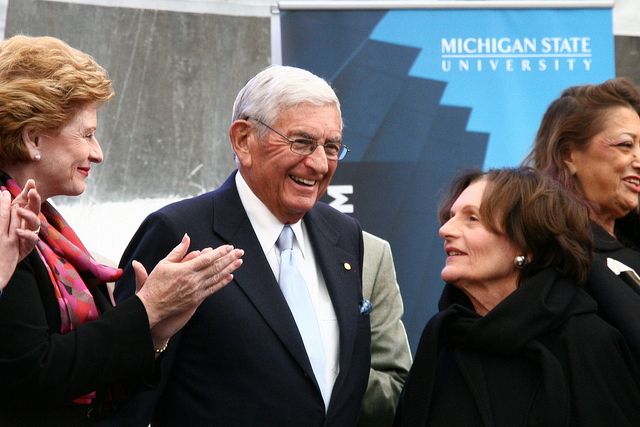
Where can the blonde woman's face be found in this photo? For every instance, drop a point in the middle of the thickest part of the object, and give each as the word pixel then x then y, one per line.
pixel 66 158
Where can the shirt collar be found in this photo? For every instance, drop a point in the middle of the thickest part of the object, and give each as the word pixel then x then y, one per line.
pixel 265 224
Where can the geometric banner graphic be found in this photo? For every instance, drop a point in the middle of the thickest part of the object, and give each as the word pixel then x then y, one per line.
pixel 429 91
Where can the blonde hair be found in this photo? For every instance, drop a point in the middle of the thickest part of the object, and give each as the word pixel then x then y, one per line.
pixel 43 84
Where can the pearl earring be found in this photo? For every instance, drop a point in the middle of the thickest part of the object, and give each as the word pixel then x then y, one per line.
pixel 521 261
pixel 36 157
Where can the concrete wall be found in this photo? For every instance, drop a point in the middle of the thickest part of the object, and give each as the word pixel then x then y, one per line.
pixel 175 75
pixel 628 57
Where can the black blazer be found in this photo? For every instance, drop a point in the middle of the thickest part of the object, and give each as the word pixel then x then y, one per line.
pixel 42 371
pixel 240 360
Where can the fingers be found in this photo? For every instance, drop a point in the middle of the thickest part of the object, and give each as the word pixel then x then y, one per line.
pixel 5 211
pixel 33 199
pixel 222 279
pixel 27 232
pixel 141 274
pixel 23 197
pixel 220 264
pixel 208 257
pixel 178 253
pixel 190 256
pixel 31 238
pixel 207 271
pixel 26 225
pixel 181 281
pixel 28 219
pixel 226 265
pixel 29 202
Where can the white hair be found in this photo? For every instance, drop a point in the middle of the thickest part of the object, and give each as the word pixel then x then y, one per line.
pixel 278 87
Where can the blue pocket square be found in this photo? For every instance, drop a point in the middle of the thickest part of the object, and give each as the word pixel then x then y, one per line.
pixel 365 307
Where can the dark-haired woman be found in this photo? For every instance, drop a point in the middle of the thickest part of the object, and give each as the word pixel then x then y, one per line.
pixel 589 141
pixel 518 341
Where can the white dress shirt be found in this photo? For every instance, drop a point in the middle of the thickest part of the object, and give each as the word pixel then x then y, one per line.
pixel 267 228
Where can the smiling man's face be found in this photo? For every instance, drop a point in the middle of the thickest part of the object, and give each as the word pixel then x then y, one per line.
pixel 290 184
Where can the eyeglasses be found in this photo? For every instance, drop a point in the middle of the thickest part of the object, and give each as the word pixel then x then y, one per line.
pixel 304 147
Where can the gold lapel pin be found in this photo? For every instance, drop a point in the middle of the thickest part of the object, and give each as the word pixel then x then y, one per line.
pixel 347 266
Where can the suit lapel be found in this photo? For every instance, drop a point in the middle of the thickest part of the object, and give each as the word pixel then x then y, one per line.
pixel 255 279
pixel 342 283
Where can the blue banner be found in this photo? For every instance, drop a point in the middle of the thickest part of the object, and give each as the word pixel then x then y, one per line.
pixel 428 92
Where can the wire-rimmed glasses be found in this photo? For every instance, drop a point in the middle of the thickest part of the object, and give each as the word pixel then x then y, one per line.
pixel 304 147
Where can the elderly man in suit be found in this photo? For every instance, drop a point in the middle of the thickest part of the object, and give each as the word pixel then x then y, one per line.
pixel 286 343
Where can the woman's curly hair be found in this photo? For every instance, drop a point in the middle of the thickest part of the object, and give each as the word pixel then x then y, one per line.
pixel 43 83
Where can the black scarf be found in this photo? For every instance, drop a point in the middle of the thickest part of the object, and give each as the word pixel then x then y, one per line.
pixel 513 327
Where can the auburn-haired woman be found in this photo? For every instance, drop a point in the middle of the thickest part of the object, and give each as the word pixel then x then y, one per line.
pixel 589 141
pixel 518 341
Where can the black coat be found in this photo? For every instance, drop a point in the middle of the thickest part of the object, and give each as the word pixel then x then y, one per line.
pixel 618 296
pixel 42 371
pixel 541 357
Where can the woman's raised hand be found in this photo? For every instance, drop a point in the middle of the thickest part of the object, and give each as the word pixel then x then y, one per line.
pixel 19 225
pixel 180 282
pixel 28 208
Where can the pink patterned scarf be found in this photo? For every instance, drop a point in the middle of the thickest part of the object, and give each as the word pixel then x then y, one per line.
pixel 72 269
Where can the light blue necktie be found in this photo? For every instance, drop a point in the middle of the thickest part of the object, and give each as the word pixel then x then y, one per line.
pixel 297 295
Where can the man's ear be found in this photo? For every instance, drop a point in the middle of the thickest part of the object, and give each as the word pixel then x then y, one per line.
pixel 31 140
pixel 568 158
pixel 241 136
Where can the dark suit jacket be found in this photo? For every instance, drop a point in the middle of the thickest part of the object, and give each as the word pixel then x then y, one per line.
pixel 240 359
